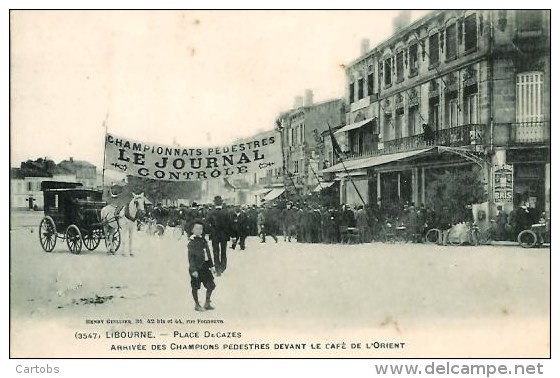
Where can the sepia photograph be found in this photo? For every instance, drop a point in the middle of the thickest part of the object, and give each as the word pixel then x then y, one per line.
pixel 280 184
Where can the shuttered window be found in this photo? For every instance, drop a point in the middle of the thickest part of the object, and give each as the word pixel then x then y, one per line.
pixel 529 96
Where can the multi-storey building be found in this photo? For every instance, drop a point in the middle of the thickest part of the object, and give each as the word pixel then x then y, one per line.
pixel 301 129
pixel 453 89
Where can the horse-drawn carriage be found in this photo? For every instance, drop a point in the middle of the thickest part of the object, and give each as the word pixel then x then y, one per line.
pixel 72 213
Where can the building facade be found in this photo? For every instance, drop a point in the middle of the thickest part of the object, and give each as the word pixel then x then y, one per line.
pixel 25 182
pixel 301 129
pixel 453 89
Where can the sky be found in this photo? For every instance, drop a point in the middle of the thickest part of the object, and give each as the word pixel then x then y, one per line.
pixel 196 78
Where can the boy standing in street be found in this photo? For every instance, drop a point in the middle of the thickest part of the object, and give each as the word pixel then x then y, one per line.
pixel 200 263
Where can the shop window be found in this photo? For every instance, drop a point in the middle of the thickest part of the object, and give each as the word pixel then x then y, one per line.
pixel 434 49
pixel 451 42
pixel 471 36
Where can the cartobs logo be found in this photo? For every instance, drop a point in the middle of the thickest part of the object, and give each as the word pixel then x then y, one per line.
pixel 37 369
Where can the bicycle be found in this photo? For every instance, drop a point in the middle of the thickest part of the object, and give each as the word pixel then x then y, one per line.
pixel 533 237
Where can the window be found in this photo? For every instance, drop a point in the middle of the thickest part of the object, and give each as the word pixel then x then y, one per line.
pixel 331 161
pixel 29 186
pixel 434 49
pixel 529 97
pixel 452 112
pixel 413 59
pixel 434 115
pixel 296 166
pixel 357 141
pixel 351 92
pixel 291 137
pixel 400 67
pixel 370 83
pixel 387 73
pixel 412 120
pixel 470 33
pixel 399 123
pixel 360 88
pixel 388 121
pixel 302 133
pixel 529 20
pixel 451 42
pixel 471 110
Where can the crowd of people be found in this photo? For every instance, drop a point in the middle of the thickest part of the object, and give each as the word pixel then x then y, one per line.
pixel 312 223
pixel 307 223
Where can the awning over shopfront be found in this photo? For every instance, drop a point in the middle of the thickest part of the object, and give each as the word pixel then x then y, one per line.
pixel 273 194
pixel 323 185
pixel 353 126
pixel 260 192
pixel 375 160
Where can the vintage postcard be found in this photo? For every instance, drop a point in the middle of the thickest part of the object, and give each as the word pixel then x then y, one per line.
pixel 286 184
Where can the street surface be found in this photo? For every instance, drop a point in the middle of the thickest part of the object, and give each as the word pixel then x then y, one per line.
pixel 485 301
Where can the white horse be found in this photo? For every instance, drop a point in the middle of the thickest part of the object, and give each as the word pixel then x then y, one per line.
pixel 124 219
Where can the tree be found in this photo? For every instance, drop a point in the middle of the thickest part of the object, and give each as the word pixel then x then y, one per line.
pixel 456 189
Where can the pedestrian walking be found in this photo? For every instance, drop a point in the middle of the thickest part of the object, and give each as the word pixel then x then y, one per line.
pixel 241 227
pixel 219 225
pixel 264 226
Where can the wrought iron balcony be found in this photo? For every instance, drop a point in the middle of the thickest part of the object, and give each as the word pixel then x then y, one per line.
pixel 530 132
pixel 459 136
pixel 270 180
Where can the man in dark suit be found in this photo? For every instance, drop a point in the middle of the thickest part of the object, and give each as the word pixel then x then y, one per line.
pixel 241 226
pixel 219 225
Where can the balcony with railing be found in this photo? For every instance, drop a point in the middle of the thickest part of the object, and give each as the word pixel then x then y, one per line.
pixel 529 132
pixel 471 136
pixel 271 180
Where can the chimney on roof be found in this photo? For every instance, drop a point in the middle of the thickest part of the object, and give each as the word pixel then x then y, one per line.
pixel 71 159
pixel 298 102
pixel 308 97
pixel 401 21
pixel 364 46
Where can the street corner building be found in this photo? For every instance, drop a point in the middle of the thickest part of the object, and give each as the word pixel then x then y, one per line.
pixel 455 90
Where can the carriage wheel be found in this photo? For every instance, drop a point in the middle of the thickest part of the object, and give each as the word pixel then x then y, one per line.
pixel 47 234
pixel 92 239
pixel 74 239
pixel 527 239
pixel 433 236
pixel 178 232
pixel 160 230
pixel 116 241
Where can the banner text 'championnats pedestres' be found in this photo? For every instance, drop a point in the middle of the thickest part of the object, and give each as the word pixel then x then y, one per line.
pixel 176 163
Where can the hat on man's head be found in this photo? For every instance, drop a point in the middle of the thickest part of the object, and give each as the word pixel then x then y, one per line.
pixel 115 190
pixel 218 200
